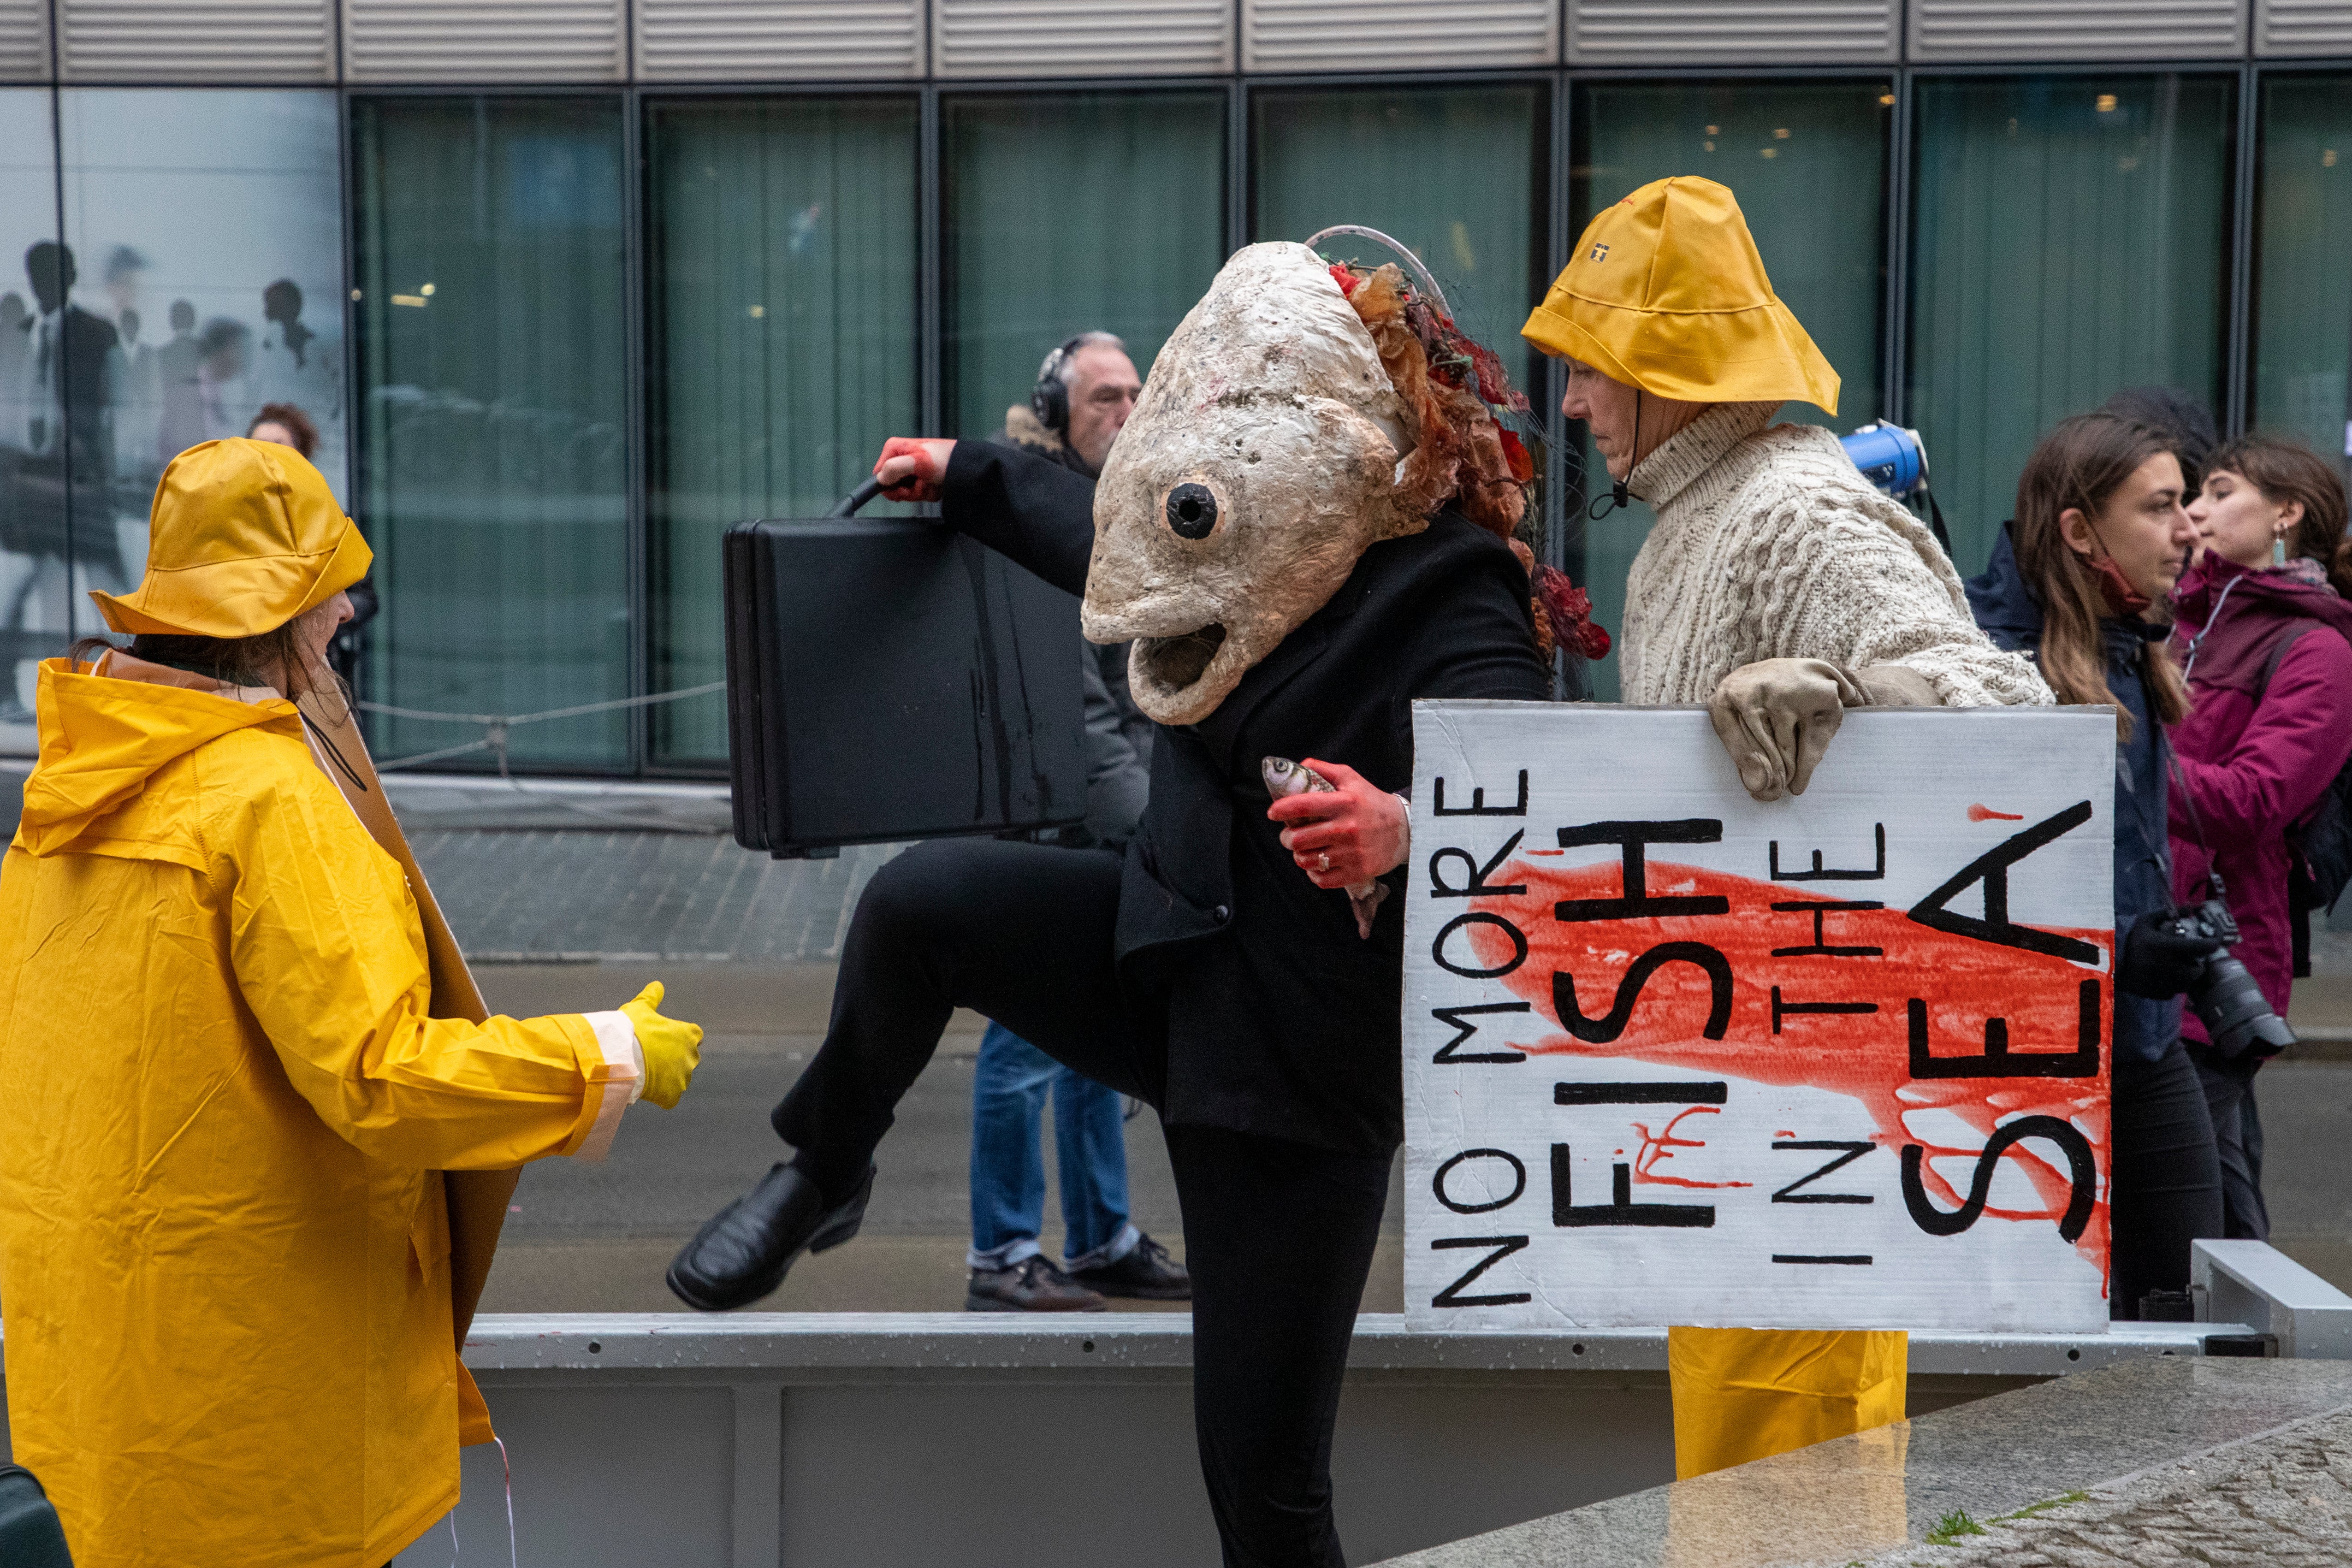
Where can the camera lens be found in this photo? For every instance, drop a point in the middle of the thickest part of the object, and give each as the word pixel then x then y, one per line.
pixel 2236 1014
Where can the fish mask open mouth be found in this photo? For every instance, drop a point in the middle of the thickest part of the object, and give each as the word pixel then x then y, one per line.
pixel 1174 664
pixel 1260 463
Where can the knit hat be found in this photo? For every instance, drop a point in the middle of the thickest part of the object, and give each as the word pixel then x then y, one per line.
pixel 245 536
pixel 1666 292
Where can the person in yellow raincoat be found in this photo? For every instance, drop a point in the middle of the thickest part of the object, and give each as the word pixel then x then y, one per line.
pixel 225 1105
pixel 1779 588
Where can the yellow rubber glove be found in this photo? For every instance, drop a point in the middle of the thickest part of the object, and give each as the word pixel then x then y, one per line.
pixel 673 1047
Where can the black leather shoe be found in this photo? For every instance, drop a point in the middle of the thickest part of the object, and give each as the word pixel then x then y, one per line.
pixel 1032 1285
pixel 742 1252
pixel 1146 1274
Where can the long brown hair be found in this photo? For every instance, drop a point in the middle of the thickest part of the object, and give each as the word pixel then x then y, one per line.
pixel 256 660
pixel 2287 471
pixel 2080 464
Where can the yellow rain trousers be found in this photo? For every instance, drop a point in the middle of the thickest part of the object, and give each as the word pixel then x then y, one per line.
pixel 225 1244
pixel 1748 1393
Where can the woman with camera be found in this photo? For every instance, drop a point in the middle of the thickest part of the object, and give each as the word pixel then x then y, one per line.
pixel 2100 536
pixel 2265 637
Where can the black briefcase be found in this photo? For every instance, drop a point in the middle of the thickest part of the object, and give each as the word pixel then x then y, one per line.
pixel 890 679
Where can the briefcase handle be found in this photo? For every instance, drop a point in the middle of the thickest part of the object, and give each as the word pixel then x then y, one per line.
pixel 857 498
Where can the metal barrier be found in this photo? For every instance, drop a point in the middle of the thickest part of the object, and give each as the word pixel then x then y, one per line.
pixel 759 1440
pixel 756 1440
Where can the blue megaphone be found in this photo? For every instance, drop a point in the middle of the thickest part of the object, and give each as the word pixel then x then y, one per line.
pixel 1889 456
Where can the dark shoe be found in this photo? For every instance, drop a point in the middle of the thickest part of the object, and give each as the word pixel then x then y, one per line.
pixel 1032 1285
pixel 1146 1274
pixel 742 1252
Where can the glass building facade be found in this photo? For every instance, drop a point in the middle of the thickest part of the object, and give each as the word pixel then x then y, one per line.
pixel 557 340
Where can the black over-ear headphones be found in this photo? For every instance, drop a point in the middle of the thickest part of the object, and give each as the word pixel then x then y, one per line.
pixel 1049 399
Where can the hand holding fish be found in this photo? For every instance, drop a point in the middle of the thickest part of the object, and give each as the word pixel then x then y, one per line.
pixel 1340 829
pixel 912 468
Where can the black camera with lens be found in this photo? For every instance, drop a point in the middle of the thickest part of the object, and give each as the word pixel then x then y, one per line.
pixel 2236 1014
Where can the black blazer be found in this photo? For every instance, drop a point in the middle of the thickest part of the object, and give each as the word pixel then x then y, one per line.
pixel 1280 1019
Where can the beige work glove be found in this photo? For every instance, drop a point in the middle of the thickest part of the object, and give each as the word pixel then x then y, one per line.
pixel 1776 716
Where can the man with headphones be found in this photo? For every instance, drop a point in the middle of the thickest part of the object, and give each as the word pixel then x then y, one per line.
pixel 1085 390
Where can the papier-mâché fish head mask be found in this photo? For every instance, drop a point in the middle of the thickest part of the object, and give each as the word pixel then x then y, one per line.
pixel 1260 462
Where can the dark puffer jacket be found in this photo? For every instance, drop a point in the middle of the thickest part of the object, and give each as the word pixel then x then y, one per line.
pixel 2007 613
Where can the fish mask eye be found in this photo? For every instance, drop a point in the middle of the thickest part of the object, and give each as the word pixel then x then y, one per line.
pixel 1192 511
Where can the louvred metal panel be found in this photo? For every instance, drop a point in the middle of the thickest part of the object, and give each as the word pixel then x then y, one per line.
pixel 2303 27
pixel 24 40
pixel 1731 32
pixel 2029 31
pixel 779 40
pixel 505 41
pixel 196 40
pixel 1398 34
pixel 1082 37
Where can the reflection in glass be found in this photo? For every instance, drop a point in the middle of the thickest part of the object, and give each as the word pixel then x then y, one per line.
pixel 2303 302
pixel 208 226
pixel 1072 214
pixel 34 599
pixel 492 471
pixel 1458 173
pixel 1807 161
pixel 783 251
pixel 2070 240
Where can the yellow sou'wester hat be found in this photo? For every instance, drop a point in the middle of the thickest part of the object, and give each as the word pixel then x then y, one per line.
pixel 244 537
pixel 1666 292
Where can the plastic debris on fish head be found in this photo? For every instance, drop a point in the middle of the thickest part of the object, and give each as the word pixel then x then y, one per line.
pixel 1259 464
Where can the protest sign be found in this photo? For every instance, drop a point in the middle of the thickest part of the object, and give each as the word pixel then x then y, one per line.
pixel 1836 1060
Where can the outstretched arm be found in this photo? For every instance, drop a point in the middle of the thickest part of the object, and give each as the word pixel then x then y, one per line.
pixel 1037 514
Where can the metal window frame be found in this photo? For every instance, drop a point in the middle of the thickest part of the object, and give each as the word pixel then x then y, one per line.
pixel 646 102
pixel 2253 137
pixel 1565 543
pixel 2235 277
pixel 937 343
pixel 348 98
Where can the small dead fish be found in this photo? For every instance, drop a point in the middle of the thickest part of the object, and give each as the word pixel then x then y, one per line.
pixel 1285 778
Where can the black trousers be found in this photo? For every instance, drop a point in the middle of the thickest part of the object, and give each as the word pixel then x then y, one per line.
pixel 1279 1236
pixel 2166 1185
pixel 2238 1139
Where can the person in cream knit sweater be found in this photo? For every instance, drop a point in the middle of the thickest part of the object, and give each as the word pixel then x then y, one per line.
pixel 1779 589
pixel 1770 545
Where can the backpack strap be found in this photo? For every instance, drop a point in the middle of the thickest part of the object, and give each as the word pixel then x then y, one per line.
pixel 2287 638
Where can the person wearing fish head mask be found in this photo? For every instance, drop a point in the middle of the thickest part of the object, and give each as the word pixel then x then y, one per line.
pixel 1778 588
pixel 1303 528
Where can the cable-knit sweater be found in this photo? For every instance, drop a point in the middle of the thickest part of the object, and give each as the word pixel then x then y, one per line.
pixel 1769 544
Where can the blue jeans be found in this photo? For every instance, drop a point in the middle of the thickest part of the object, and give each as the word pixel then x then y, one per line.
pixel 1008 1163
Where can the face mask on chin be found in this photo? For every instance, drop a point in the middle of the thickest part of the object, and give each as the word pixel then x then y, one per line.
pixel 2124 601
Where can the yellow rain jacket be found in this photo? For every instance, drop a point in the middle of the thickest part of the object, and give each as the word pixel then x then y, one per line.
pixel 223 1111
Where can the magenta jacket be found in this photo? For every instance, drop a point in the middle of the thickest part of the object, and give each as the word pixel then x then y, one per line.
pixel 2249 773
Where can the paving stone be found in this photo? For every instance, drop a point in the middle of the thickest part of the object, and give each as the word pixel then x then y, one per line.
pixel 530 895
pixel 2277 1500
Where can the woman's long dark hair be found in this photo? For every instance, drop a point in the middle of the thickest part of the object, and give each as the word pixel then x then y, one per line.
pixel 2080 466
pixel 2287 471
pixel 256 660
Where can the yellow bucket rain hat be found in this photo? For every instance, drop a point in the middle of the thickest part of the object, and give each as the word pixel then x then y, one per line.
pixel 245 536
pixel 1666 292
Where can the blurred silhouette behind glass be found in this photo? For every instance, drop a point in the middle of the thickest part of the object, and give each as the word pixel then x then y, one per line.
pixel 56 482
